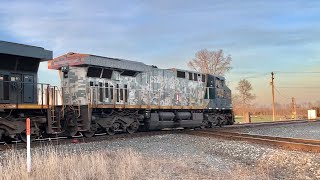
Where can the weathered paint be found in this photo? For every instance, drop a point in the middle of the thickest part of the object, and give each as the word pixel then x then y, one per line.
pixel 71 59
pixel 155 87
pixel 150 87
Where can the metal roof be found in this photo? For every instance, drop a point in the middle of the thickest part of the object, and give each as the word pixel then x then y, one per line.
pixel 76 59
pixel 25 50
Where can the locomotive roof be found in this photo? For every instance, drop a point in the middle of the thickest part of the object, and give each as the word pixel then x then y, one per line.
pixel 77 59
pixel 25 50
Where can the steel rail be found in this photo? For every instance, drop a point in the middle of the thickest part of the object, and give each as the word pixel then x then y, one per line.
pixel 81 139
pixel 306 145
pixel 272 123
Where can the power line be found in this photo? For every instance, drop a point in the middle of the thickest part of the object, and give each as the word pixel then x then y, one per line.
pixel 281 94
pixel 256 76
pixel 297 87
pixel 297 72
pixel 281 72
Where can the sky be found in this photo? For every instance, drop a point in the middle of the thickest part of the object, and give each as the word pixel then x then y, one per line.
pixel 261 36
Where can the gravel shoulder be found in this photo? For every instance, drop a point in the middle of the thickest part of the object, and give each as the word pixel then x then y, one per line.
pixel 300 130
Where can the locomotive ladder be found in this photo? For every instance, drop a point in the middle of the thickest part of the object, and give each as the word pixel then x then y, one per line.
pixel 55 120
pixel 77 110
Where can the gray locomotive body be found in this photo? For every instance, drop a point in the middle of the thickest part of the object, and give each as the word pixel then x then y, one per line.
pixel 121 95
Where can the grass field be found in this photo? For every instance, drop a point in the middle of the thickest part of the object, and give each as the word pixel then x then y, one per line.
pixel 126 164
pixel 53 163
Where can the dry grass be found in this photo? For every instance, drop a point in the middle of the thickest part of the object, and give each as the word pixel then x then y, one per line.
pixel 52 163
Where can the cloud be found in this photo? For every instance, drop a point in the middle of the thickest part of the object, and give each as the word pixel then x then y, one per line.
pixel 63 25
pixel 260 36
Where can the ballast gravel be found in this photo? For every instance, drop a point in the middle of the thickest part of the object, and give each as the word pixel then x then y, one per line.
pixel 211 158
pixel 230 159
pixel 300 130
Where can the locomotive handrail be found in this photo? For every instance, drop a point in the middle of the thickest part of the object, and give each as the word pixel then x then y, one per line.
pixel 22 82
pixel 40 91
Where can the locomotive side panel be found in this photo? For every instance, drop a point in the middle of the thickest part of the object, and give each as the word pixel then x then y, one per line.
pixel 157 87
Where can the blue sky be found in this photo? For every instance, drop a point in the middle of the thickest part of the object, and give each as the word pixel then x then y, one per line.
pixel 261 36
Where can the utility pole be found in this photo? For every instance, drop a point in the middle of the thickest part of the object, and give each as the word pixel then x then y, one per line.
pixel 272 85
pixel 294 108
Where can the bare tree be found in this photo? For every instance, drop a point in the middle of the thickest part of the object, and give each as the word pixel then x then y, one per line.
pixel 245 96
pixel 236 104
pixel 211 62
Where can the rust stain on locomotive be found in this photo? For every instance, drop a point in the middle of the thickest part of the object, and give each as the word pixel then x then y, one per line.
pixel 71 58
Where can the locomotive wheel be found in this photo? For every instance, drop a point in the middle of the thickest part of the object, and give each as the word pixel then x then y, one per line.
pixel 205 124
pixel 88 134
pixel 23 137
pixel 112 130
pixel 92 131
pixel 1 133
pixel 221 121
pixel 210 125
pixel 70 124
pixel 230 122
pixel 133 128
pixel 71 132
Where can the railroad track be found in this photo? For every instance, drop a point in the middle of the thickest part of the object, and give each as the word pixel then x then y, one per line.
pixel 271 123
pixel 306 145
pixel 81 139
pixel 289 143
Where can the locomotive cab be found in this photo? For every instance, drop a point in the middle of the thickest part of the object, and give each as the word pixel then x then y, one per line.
pixel 18 72
pixel 218 94
pixel 19 65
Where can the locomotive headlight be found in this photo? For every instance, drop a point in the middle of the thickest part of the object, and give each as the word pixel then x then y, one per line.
pixel 65 68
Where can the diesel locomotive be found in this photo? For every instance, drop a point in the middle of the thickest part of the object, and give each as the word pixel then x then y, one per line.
pixel 103 95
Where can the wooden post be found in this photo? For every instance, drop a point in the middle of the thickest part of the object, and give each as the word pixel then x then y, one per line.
pixel 247 117
pixel 294 109
pixel 272 84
